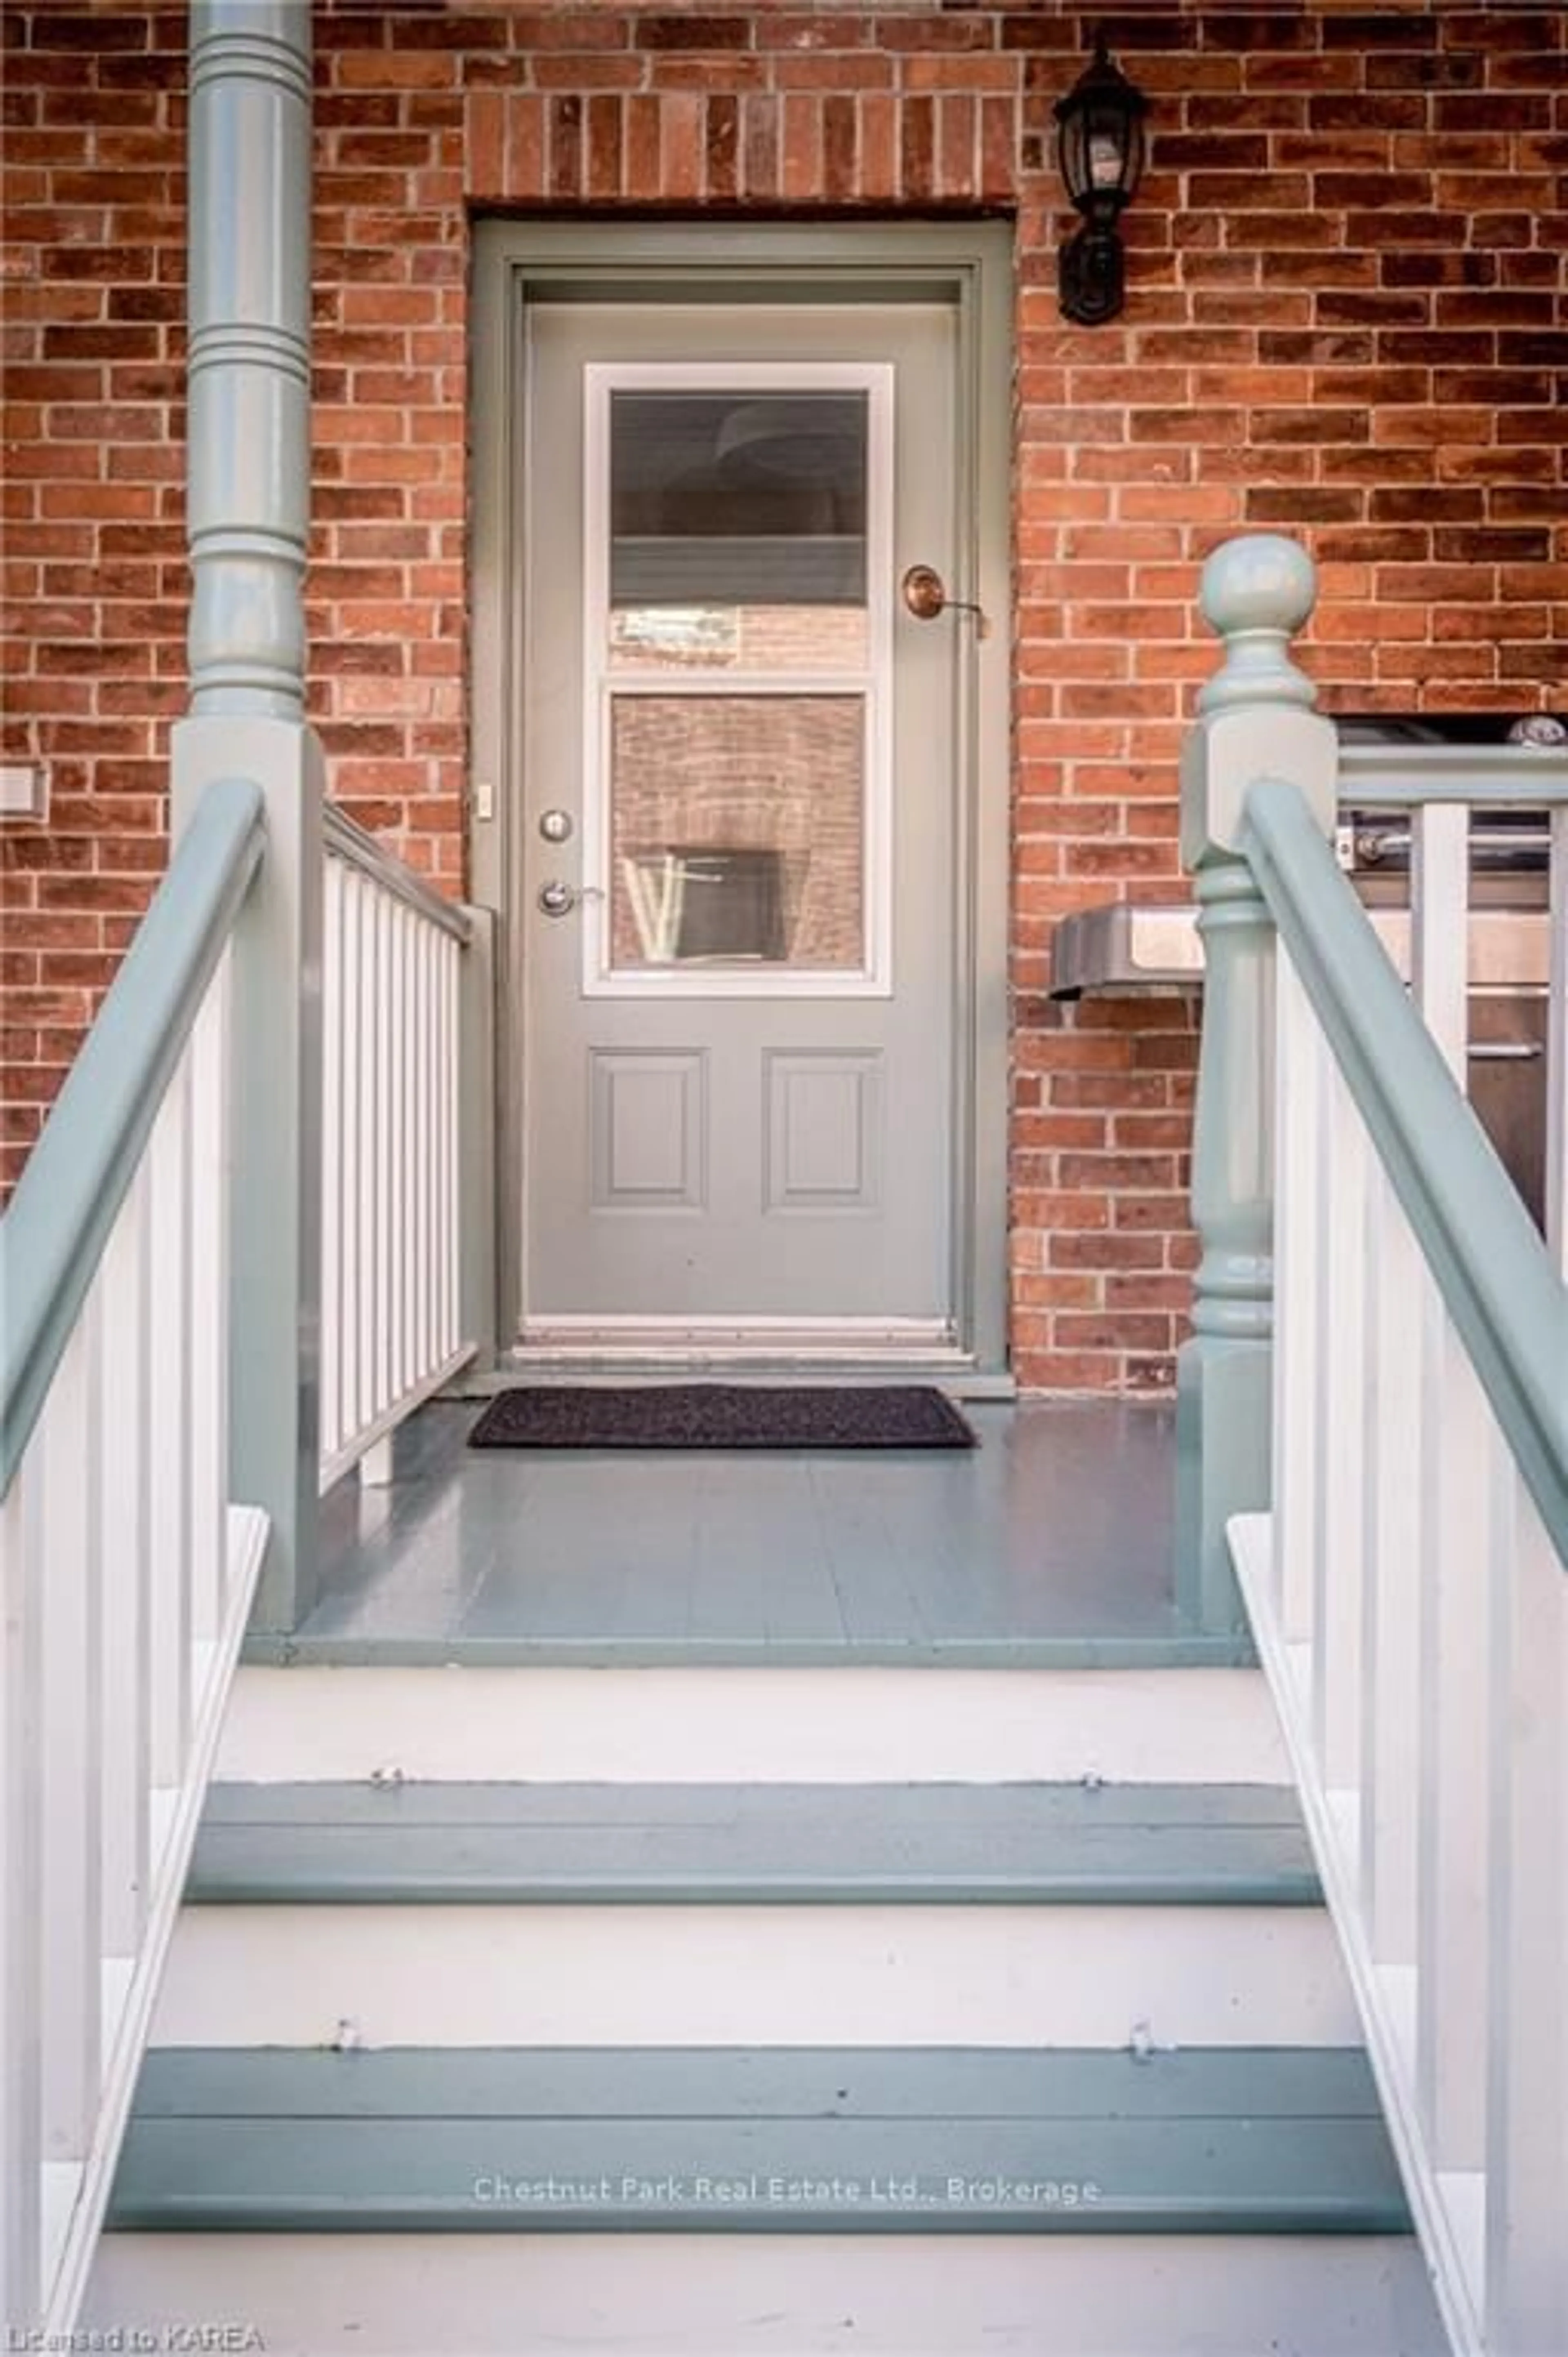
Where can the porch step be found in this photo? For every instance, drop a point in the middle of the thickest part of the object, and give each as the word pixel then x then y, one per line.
pixel 661 1975
pixel 839 1726
pixel 969 1944
pixel 686 1845
pixel 804 2294
pixel 702 2140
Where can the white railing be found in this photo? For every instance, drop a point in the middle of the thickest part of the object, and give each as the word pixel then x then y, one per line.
pixel 1409 1589
pixel 128 1569
pixel 392 1097
pixel 1447 790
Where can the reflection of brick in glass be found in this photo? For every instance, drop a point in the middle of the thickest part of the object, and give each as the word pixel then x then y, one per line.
pixel 780 775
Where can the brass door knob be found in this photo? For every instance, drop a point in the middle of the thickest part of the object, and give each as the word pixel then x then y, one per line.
pixel 925 594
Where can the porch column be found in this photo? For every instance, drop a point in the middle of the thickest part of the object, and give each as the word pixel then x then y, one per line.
pixel 1255 719
pixel 248 489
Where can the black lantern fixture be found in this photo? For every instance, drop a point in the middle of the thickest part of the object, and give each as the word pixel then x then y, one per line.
pixel 1100 152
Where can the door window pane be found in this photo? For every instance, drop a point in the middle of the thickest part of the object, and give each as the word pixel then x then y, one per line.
pixel 736 830
pixel 737 530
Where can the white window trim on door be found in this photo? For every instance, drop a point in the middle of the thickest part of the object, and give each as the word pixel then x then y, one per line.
pixel 874 979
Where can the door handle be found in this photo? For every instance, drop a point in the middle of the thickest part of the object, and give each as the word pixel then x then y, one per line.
pixel 926 595
pixel 558 898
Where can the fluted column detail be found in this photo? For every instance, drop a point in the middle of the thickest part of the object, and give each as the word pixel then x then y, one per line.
pixel 249 358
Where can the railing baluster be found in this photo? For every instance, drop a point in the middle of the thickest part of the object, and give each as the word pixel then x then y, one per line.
pixel 443 1082
pixel 1341 1420
pixel 126 1431
pixel 386 1146
pixel 209 1395
pixel 1557 1052
pixel 1527 2032
pixel 1295 1371
pixel 1439 938
pixel 1451 1889
pixel 371 1179
pixel 416 1254
pixel 345 1306
pixel 169 1293
pixel 427 1242
pixel 1391 1544
pixel 71 1850
pixel 452 1223
pixel 403 1203
pixel 334 1028
pixel 1452 1640
pixel 21 1959
pixel 449 1056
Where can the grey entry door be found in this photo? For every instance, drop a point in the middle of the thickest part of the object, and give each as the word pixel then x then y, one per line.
pixel 736 904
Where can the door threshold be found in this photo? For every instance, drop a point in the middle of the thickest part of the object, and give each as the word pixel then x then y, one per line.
pixel 758 1363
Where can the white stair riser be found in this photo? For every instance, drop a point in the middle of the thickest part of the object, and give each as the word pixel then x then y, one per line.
pixel 831 1726
pixel 755 1976
pixel 740 2296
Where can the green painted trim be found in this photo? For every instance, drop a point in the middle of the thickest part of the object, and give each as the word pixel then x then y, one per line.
pixel 1210 2141
pixel 848 262
pixel 82 1167
pixel 1492 777
pixel 773 1844
pixel 1505 1300
pixel 479 1090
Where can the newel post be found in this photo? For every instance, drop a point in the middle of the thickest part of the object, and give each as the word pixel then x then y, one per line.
pixel 1256 718
pixel 247 519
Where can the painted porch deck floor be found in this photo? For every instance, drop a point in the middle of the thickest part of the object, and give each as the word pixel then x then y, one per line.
pixel 1049 1545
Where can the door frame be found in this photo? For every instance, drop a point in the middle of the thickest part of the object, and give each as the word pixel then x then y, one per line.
pixel 965 264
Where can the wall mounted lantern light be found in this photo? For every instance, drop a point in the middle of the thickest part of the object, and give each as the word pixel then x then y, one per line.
pixel 1100 152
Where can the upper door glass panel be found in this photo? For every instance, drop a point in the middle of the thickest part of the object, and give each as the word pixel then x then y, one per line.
pixel 738 531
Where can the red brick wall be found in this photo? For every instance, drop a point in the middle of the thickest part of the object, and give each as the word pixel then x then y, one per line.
pixel 1346 318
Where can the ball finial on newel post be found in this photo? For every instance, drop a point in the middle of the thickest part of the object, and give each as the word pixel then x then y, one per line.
pixel 1256 716
pixel 1256 593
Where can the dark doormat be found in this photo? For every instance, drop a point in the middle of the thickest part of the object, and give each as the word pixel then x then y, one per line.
pixel 722 1415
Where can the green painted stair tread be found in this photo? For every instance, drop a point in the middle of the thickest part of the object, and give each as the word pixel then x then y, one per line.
pixel 916 2082
pixel 1171 1645
pixel 1222 2141
pixel 674 1844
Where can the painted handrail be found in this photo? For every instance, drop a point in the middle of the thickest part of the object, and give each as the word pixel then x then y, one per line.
pixel 344 839
pixel 1477 1238
pixel 79 1173
pixel 1492 777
